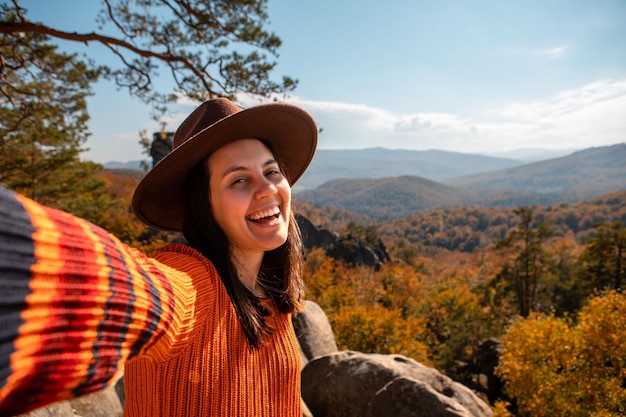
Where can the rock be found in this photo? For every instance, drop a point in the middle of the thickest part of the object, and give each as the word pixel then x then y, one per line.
pixel 408 397
pixel 313 331
pixel 313 236
pixel 355 252
pixel 315 337
pixel 60 409
pixel 346 248
pixel 102 403
pixel 351 383
pixel 487 359
pixel 479 373
pixel 119 389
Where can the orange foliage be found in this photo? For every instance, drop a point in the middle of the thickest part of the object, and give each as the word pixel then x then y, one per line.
pixel 556 367
pixel 376 329
pixel 400 309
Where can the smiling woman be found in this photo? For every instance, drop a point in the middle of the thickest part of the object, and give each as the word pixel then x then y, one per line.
pixel 202 328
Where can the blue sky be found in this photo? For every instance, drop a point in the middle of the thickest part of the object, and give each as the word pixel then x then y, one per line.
pixel 471 76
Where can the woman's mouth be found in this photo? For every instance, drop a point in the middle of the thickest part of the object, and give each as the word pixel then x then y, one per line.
pixel 265 216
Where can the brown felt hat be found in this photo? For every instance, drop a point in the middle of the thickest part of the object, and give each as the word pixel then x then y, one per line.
pixel 290 131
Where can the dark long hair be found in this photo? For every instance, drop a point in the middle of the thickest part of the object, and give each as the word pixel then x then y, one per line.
pixel 281 269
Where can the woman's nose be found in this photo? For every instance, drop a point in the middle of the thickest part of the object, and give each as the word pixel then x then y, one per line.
pixel 265 188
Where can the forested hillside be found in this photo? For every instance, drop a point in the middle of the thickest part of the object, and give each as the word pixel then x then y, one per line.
pixel 385 198
pixel 547 280
pixel 581 175
pixel 435 165
pixel 468 229
pixel 573 178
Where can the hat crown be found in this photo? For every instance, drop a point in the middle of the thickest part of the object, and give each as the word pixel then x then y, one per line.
pixel 206 115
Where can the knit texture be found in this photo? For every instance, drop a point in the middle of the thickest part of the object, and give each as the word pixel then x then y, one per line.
pixel 76 304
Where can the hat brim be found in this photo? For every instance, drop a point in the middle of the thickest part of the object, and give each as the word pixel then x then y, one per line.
pixel 290 131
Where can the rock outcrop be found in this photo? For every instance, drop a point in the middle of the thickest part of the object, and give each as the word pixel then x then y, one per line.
pixel 346 248
pixel 357 384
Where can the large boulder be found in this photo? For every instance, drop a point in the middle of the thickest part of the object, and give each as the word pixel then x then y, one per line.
pixel 314 333
pixel 354 384
pixel 408 397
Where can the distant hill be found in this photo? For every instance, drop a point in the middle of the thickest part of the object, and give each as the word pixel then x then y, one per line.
pixel 583 174
pixel 128 172
pixel 434 165
pixel 578 176
pixel 528 155
pixel 572 178
pixel 385 198
pixel 126 165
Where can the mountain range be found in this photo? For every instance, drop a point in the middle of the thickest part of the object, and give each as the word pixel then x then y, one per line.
pixel 387 184
pixel 580 175
pixel 435 165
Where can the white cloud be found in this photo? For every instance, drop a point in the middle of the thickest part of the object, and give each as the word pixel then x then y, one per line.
pixel 556 52
pixel 592 115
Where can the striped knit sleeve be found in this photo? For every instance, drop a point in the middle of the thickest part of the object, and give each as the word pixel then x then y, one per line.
pixel 75 303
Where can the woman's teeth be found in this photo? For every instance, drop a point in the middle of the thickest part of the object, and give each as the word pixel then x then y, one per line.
pixel 265 215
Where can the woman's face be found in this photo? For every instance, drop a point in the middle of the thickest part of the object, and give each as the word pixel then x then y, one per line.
pixel 250 197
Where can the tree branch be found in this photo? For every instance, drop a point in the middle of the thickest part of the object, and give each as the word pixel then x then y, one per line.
pixel 17 27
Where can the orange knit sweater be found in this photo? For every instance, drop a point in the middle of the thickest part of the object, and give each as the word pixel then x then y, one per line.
pixel 76 305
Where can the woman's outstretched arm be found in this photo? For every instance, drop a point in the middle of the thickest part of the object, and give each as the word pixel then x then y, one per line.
pixel 75 304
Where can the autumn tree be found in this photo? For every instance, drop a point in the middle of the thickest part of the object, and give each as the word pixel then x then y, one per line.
pixel 43 125
pixel 199 43
pixel 118 220
pixel 556 367
pixel 363 313
pixel 604 259
pixel 528 263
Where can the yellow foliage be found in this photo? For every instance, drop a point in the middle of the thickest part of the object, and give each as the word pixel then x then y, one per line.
pixel 556 367
pixel 500 409
pixel 397 310
pixel 379 330
pixel 368 309
pixel 322 283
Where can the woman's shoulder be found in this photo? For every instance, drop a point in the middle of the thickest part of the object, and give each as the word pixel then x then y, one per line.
pixel 188 268
pixel 181 256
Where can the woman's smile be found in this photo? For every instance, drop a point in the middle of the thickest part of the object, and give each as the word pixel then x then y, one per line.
pixel 265 216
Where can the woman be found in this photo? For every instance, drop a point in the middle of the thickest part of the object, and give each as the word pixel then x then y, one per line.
pixel 203 328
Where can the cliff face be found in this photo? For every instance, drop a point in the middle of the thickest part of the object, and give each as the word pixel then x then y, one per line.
pixel 345 248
